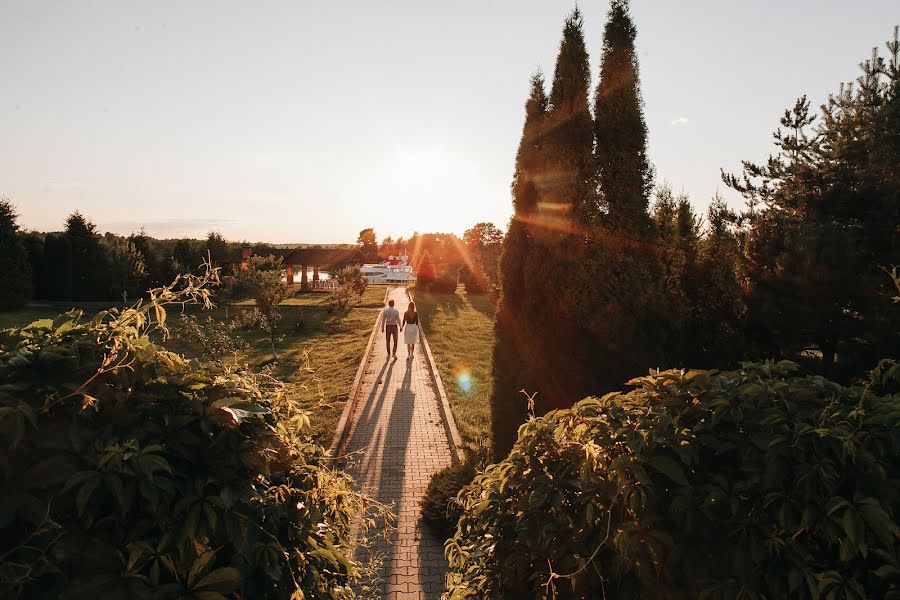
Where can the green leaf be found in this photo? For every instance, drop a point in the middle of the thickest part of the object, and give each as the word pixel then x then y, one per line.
pixel 879 522
pixel 853 526
pixel 199 567
pixel 84 494
pixel 669 468
pixel 222 580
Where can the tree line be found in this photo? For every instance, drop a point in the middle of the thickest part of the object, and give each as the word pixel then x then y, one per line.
pixel 604 276
pixel 79 264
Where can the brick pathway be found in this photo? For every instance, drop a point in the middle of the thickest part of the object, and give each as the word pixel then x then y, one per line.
pixel 398 429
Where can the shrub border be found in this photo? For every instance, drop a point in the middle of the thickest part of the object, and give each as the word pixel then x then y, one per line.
pixel 343 425
pixel 453 438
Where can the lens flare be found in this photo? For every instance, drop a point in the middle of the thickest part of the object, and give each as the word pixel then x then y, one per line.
pixel 463 377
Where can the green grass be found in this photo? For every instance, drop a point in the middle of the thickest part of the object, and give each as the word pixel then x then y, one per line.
pixel 331 346
pixel 321 359
pixel 460 330
pixel 24 316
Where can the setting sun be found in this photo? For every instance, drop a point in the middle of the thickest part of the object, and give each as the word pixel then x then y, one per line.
pixel 429 189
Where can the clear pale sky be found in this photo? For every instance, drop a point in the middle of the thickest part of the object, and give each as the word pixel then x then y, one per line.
pixel 303 121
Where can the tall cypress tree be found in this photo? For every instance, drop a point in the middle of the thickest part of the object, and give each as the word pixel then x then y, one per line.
pixel 537 348
pixel 561 352
pixel 510 373
pixel 624 171
pixel 567 200
pixel 618 288
pixel 15 269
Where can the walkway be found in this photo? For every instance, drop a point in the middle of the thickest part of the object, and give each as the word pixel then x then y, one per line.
pixel 398 428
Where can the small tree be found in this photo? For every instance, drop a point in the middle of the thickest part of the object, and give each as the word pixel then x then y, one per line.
pixel 15 268
pixel 352 287
pixel 127 269
pixel 480 271
pixel 217 247
pixel 263 282
pixel 368 243
pixel 426 272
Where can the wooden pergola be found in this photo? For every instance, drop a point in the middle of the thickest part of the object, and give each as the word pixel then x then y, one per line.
pixel 317 258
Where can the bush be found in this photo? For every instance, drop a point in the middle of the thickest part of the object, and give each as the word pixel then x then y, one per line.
pixel 475 282
pixel 250 319
pixel 129 472
pixel 351 279
pixel 212 337
pixel 445 282
pixel 754 483
pixel 341 300
pixel 439 507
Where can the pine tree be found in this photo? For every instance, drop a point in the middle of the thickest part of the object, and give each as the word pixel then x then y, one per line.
pixel 510 374
pixel 822 228
pixel 624 172
pixel 15 268
pixel 89 268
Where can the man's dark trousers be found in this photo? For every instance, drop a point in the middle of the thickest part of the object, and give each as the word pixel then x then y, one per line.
pixel 389 332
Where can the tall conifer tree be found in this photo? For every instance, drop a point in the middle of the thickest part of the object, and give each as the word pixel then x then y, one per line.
pixel 15 268
pixel 555 205
pixel 89 267
pixel 624 171
pixel 510 374
pixel 615 292
pixel 567 200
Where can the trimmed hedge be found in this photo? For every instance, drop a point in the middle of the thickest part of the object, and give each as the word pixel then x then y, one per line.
pixel 752 483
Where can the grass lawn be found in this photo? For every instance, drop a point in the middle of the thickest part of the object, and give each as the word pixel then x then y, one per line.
pixel 460 330
pixel 321 357
pixel 24 316
pixel 331 345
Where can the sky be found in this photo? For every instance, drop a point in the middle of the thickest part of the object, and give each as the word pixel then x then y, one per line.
pixel 306 122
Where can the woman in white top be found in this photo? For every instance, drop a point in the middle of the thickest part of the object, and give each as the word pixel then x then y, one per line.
pixel 411 326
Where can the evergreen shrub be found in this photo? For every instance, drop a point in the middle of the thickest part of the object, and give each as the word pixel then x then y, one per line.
pixel 440 508
pixel 127 471
pixel 754 483
pixel 445 282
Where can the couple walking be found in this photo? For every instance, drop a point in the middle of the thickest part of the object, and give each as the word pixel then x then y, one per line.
pixel 391 321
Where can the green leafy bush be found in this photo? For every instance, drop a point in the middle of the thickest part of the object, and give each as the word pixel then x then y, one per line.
pixel 248 320
pixel 753 483
pixel 439 507
pixel 213 338
pixel 127 471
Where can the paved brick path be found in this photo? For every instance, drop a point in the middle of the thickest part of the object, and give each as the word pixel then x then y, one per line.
pixel 398 430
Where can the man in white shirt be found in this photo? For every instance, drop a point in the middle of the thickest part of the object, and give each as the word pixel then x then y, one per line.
pixel 390 326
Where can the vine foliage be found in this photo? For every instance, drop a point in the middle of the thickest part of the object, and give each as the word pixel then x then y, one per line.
pixel 751 483
pixel 127 471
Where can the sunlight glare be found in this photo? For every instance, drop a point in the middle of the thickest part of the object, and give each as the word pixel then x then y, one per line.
pixel 431 190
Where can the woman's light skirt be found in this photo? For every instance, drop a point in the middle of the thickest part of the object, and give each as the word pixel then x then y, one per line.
pixel 410 334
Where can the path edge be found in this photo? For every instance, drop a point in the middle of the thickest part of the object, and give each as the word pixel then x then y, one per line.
pixel 453 438
pixel 343 425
